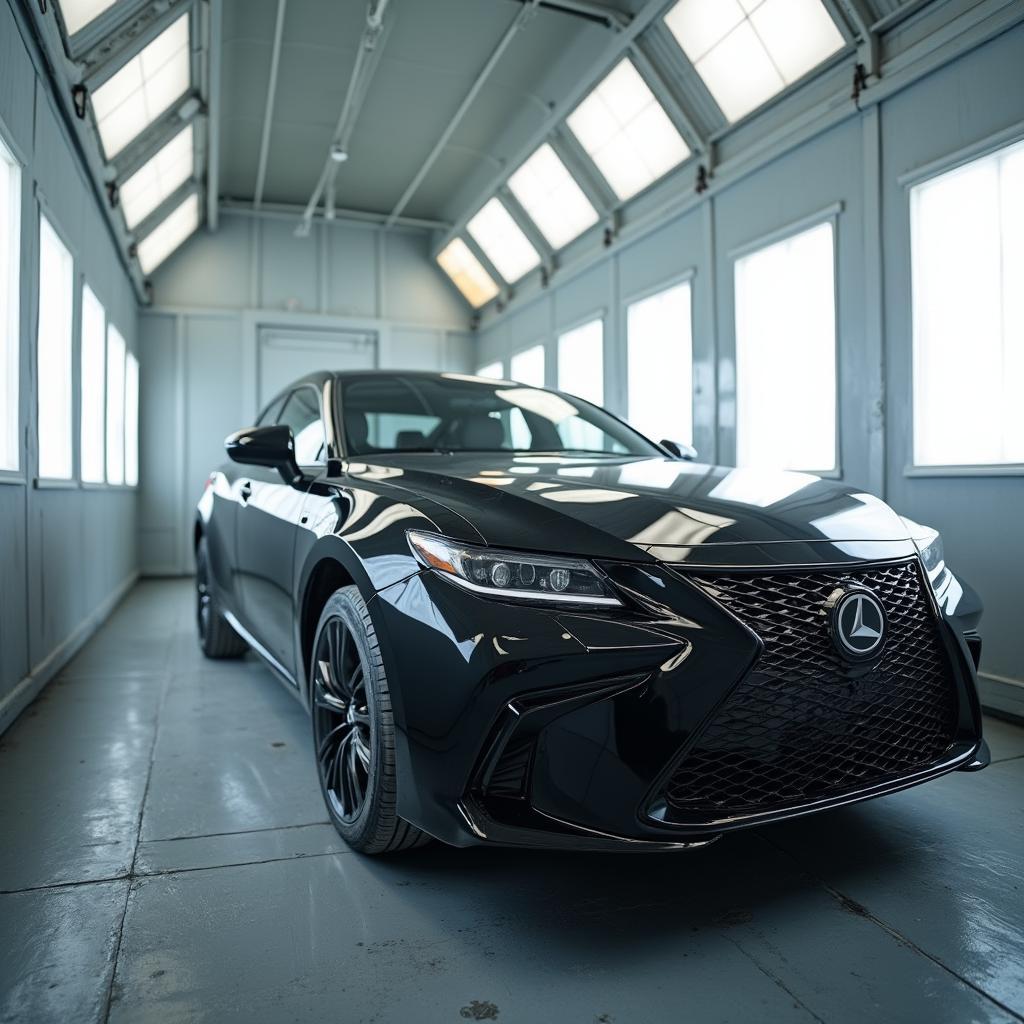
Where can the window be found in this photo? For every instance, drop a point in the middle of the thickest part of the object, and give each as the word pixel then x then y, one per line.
pixel 53 348
pixel 302 413
pixel 581 361
pixel 131 420
pixel 527 367
pixel 138 93
pixel 503 241
pixel 549 194
pixel 746 51
pixel 495 370
pixel 157 178
pixel 786 354
pixel 169 234
pixel 626 132
pixel 10 321
pixel 659 365
pixel 78 13
pixel 116 352
pixel 94 333
pixel 467 273
pixel 967 236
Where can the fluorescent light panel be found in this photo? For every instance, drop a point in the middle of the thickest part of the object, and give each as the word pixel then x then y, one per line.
pixel 467 273
pixel 503 241
pixel 626 132
pixel 746 51
pixel 78 13
pixel 169 234
pixel 136 95
pixel 552 198
pixel 156 179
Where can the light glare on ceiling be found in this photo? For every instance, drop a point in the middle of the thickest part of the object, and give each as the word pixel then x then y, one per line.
pixel 626 132
pixel 156 179
pixel 552 198
pixel 503 241
pixel 746 51
pixel 467 273
pixel 137 94
pixel 169 234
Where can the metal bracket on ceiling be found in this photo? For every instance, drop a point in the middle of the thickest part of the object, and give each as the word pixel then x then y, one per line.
pixel 79 93
pixel 703 176
pixel 860 83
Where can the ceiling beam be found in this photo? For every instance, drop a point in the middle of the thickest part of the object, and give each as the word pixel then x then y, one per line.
pixel 367 217
pixel 213 120
pixel 268 112
pixel 611 17
pixel 485 72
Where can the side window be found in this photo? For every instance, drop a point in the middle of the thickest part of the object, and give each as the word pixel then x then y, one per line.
pixel 302 413
pixel 268 417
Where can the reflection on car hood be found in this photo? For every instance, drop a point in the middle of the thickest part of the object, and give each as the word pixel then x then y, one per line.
pixel 662 508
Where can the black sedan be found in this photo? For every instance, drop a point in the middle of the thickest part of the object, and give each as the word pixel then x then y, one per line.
pixel 515 620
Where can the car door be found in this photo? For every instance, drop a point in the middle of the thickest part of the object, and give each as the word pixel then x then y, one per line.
pixel 268 516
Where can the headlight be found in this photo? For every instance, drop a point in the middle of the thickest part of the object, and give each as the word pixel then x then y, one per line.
pixel 932 555
pixel 512 575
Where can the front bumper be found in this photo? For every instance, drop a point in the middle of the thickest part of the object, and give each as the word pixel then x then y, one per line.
pixel 526 726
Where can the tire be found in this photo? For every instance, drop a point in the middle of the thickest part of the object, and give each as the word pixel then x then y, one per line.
pixel 216 637
pixel 354 730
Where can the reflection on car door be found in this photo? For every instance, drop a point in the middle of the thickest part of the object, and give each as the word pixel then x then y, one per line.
pixel 268 516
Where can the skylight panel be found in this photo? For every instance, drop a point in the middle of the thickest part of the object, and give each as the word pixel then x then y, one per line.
pixel 626 132
pixel 156 179
pixel 136 95
pixel 78 13
pixel 746 51
pixel 467 273
pixel 552 198
pixel 169 234
pixel 503 241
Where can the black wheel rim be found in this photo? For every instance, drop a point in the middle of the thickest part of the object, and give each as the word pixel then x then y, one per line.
pixel 202 598
pixel 341 720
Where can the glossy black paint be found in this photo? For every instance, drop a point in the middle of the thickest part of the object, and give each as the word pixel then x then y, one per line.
pixel 603 701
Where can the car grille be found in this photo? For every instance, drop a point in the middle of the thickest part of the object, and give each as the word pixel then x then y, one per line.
pixel 803 724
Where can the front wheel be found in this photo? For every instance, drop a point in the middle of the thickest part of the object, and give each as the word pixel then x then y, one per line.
pixel 354 730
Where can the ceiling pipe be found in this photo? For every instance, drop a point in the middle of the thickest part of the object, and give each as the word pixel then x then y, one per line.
pixel 268 112
pixel 519 21
pixel 371 44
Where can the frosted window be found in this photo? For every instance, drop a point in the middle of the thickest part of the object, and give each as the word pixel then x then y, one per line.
pixel 494 370
pixel 549 194
pixel 115 405
pixel 131 420
pixel 503 241
pixel 786 354
pixel 56 302
pixel 169 234
pixel 746 51
pixel 157 178
pixel 659 346
pixel 94 344
pixel 10 321
pixel 136 95
pixel 581 362
pixel 967 229
pixel 78 13
pixel 626 132
pixel 456 259
pixel 527 367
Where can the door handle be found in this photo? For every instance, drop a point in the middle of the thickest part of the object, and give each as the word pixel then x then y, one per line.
pixel 245 492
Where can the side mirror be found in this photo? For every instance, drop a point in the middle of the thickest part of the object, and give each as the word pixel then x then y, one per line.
pixel 273 447
pixel 680 450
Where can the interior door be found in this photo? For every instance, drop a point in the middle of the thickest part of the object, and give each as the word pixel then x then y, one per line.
pixel 286 353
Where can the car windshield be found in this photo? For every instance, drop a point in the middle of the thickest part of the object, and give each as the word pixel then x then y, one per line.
pixel 387 413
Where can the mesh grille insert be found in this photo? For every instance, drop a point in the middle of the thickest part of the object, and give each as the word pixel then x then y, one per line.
pixel 805 725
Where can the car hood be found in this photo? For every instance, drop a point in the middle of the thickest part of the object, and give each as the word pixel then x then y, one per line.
pixel 662 509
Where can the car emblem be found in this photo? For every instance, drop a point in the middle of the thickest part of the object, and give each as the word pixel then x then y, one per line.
pixel 858 624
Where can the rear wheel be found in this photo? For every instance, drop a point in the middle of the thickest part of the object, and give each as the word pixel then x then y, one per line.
pixel 354 730
pixel 216 637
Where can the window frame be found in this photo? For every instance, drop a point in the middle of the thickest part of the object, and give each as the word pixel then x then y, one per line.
pixel 108 483
pixel 827 215
pixel 323 422
pixel 18 473
pixel 102 483
pixel 986 146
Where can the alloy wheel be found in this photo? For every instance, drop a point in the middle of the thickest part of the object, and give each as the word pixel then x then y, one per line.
pixel 341 720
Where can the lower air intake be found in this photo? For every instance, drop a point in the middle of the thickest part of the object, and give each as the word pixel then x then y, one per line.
pixel 805 725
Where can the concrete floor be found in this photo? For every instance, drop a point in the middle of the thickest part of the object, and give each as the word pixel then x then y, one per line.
pixel 165 857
